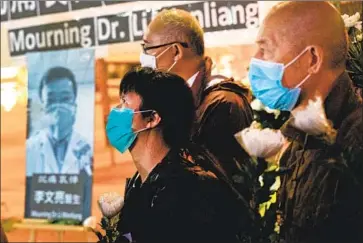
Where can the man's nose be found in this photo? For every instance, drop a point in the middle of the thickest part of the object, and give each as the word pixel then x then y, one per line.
pixel 258 55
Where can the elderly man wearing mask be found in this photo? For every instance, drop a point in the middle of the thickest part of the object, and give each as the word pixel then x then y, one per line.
pixel 174 42
pixel 302 49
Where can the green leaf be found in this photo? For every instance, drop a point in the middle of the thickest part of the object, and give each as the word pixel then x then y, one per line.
pixel 104 223
pixel 98 234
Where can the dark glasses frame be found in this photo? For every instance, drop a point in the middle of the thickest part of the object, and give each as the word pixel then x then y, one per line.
pixel 183 44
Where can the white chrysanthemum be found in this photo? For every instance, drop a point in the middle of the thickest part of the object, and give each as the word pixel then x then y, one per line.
pixel 358 25
pixel 272 111
pixel 262 143
pixel 360 37
pixel 90 222
pixel 345 16
pixel 110 204
pixel 312 119
pixel 257 105
pixel 350 21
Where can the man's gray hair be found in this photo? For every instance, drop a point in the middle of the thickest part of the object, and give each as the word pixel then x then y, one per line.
pixel 181 26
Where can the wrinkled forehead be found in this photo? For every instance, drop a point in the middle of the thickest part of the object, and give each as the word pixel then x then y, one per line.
pixel 276 35
pixel 271 32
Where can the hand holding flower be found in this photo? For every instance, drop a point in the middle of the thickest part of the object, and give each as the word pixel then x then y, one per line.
pixel 110 205
pixel 90 222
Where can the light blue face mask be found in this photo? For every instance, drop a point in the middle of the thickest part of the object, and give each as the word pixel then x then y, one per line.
pixel 119 128
pixel 266 84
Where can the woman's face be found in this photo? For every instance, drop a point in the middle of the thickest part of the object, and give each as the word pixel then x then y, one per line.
pixel 132 100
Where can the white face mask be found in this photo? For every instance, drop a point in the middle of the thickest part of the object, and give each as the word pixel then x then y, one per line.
pixel 147 60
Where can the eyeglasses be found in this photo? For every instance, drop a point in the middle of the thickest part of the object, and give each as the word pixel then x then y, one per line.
pixel 183 44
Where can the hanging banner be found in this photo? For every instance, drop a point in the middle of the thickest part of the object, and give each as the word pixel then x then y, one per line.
pixel 54 36
pixel 4 10
pixel 60 134
pixel 127 26
pixel 20 9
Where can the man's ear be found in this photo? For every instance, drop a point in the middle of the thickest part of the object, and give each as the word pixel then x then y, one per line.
pixel 154 120
pixel 316 59
pixel 179 52
pixel 208 67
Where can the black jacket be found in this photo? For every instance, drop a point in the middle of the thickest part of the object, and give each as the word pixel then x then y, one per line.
pixel 178 202
pixel 321 199
pixel 223 111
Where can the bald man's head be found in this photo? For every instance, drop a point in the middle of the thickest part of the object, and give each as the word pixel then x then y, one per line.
pixel 175 25
pixel 300 24
pixel 310 40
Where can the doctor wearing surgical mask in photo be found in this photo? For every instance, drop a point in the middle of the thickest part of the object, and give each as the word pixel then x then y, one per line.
pixel 58 149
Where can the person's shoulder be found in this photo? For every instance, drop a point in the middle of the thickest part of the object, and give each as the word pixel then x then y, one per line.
pixel 351 130
pixel 185 172
pixel 199 174
pixel 192 186
pixel 227 91
pixel 226 97
pixel 81 141
pixel 36 139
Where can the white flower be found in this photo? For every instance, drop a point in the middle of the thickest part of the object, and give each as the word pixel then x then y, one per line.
pixel 344 17
pixel 110 204
pixel 257 105
pixel 350 21
pixel 262 143
pixel 271 111
pixel 90 222
pixel 358 25
pixel 360 37
pixel 312 119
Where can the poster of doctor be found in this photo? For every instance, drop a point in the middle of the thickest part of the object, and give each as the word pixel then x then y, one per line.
pixel 61 114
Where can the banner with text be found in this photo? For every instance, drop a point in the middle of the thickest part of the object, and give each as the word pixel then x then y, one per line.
pixel 12 10
pixel 59 145
pixel 127 27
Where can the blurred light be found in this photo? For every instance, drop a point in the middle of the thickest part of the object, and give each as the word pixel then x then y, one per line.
pixel 8 72
pixel 225 65
pixel 9 95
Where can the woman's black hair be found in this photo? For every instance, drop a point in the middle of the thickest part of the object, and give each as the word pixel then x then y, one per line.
pixel 168 95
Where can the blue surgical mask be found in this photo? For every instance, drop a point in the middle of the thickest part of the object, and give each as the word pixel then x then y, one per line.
pixel 266 84
pixel 119 128
pixel 60 118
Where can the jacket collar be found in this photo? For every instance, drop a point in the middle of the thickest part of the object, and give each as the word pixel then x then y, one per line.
pixel 191 80
pixel 198 87
pixel 159 170
pixel 340 102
